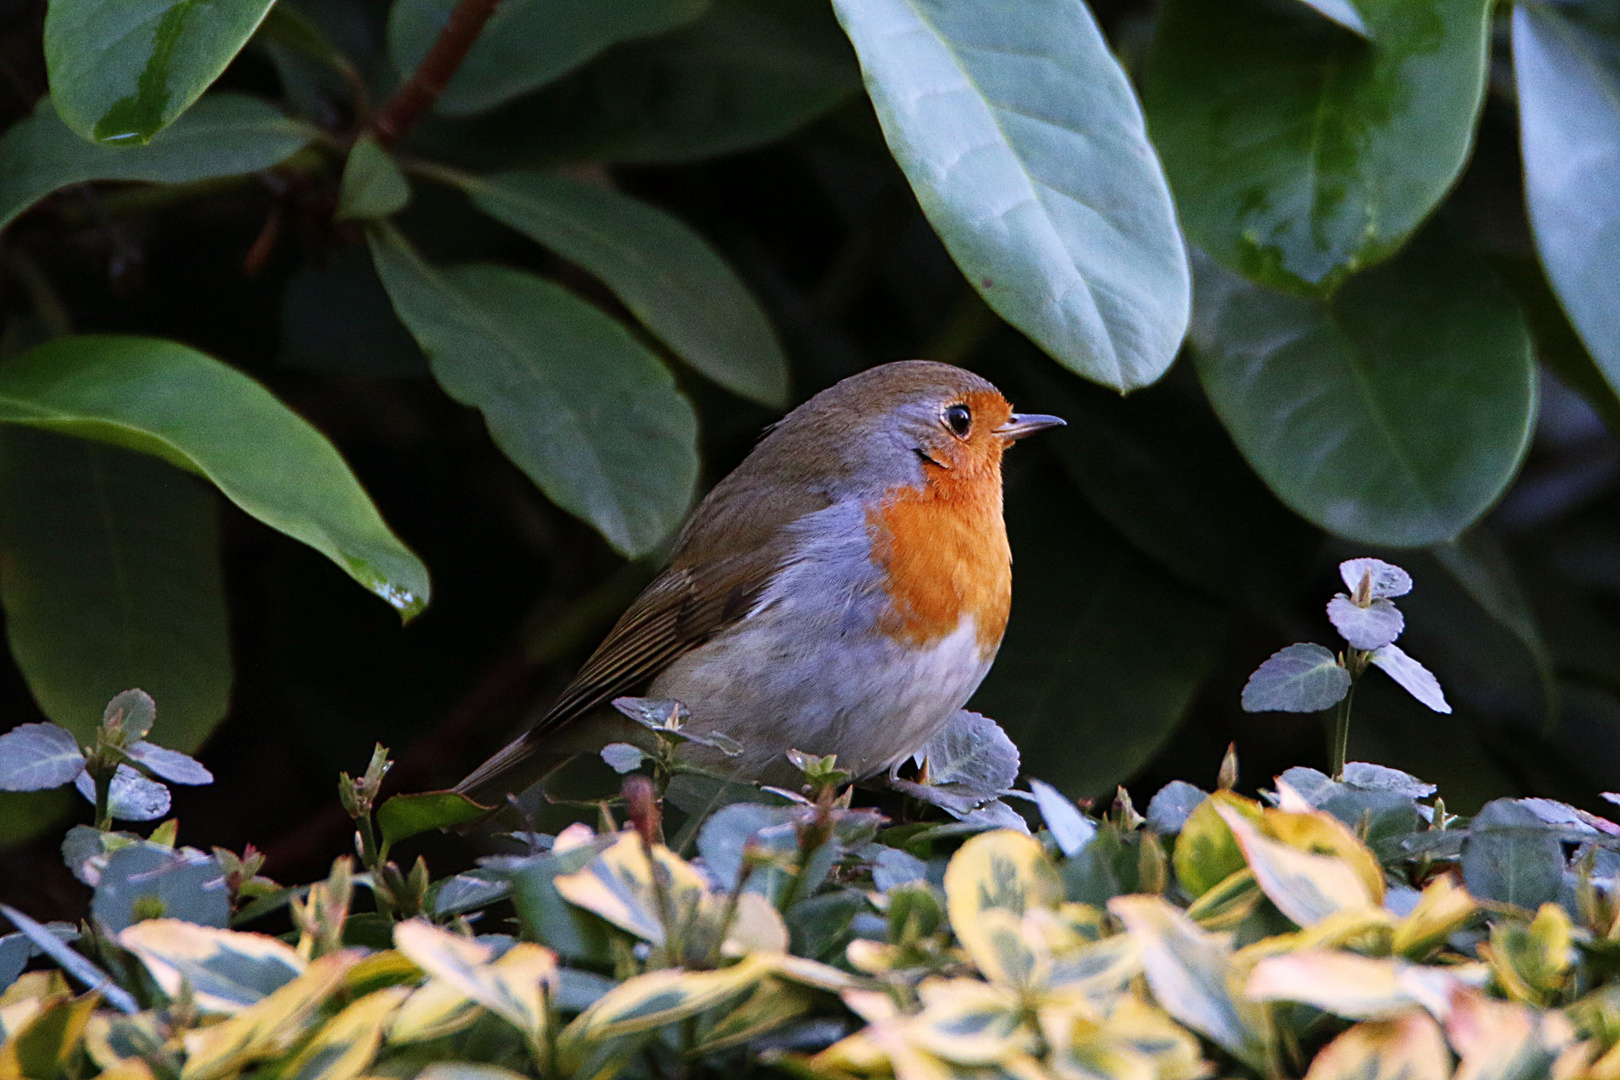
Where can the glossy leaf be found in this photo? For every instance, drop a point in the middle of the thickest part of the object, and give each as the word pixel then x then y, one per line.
pixel 403 816
pixel 1299 678
pixel 171 401
pixel 527 43
pixel 1414 678
pixel 1306 887
pixel 1300 154
pixel 171 765
pixel 992 881
pixel 1566 60
pixel 110 579
pixel 34 757
pixel 649 1001
pixel 226 969
pixel 1511 856
pixel 1396 413
pixel 569 395
pixel 122 70
pixel 664 272
pixel 1024 143
pixel 225 135
pixel 372 185
pixel 746 74
pixel 1168 810
pixel 618 885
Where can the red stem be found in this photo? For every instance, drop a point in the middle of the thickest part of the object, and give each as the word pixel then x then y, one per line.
pixel 435 71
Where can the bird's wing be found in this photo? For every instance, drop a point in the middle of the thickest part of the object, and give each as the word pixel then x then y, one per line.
pixel 714 579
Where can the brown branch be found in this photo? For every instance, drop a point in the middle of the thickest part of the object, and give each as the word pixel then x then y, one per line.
pixel 435 71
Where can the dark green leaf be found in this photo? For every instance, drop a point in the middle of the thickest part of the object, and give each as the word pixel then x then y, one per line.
pixel 1396 413
pixel 1566 58
pixel 467 892
pixel 665 273
pixel 746 74
pixel 549 919
pixel 528 43
pixel 372 185
pixel 1024 143
pixel 1511 856
pixel 165 399
pixel 225 135
pixel 1097 632
pixel 156 879
pixel 569 394
pixel 111 578
pixel 71 962
pixel 122 70
pixel 1299 153
pixel 337 319
pixel 34 757
pixel 406 815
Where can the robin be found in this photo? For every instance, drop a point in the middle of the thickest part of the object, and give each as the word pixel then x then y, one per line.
pixel 843 591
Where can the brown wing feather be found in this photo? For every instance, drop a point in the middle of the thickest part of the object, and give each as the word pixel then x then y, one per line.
pixel 727 555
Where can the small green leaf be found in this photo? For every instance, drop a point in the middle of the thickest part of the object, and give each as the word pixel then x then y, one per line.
pixel 122 70
pixel 1300 678
pixel 1024 143
pixel 225 135
pixel 1206 852
pixel 1396 413
pixel 664 272
pixel 111 578
pixel 372 185
pixel 1566 60
pixel 404 816
pixel 171 401
pixel 527 43
pixel 1300 154
pixel 1511 856
pixel 582 407
pixel 35 757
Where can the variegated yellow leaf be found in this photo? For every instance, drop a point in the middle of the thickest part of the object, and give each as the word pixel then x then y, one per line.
pixel 435 1009
pixel 345 1045
pixel 228 969
pixel 1407 1047
pixel 1499 1039
pixel 1305 887
pixel 1320 833
pixel 268 1028
pixel 657 998
pixel 756 927
pixel 1099 973
pixel 968 1022
pixel 466 1070
pixel 513 988
pixel 811 973
pixel 43 1046
pixel 771 1004
pixel 990 883
pixel 387 968
pixel 1441 910
pixel 1357 987
pixel 1228 902
pixel 111 1037
pixel 1206 853
pixel 618 885
pixel 127 1069
pixel 1190 973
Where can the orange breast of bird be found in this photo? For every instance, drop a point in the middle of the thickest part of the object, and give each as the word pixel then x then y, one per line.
pixel 943 549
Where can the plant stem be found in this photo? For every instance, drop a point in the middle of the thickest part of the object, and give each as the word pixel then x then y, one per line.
pixel 103 797
pixel 1341 731
pixel 417 95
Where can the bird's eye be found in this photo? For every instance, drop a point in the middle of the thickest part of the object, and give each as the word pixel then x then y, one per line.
pixel 959 418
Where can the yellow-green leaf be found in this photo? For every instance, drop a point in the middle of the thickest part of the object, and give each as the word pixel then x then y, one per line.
pixel 433 1010
pixel 346 1044
pixel 618 886
pixel 1206 852
pixel 969 1022
pixel 1307 888
pixel 1409 1047
pixel 42 1048
pixel 268 1028
pixel 1356 987
pixel 772 1004
pixel 513 987
pixel 1532 962
pixel 1442 908
pixel 1228 902
pixel 228 970
pixel 655 999
pixel 991 882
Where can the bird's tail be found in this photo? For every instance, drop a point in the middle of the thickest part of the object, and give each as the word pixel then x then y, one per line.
pixel 515 768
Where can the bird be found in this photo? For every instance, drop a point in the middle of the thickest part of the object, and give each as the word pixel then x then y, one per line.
pixel 843 591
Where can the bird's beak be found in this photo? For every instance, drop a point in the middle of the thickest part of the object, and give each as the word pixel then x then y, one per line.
pixel 1020 424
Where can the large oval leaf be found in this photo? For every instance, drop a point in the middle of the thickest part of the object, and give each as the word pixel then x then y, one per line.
pixel 1300 153
pixel 225 135
pixel 1396 413
pixel 163 398
pixel 569 394
pixel 122 70
pixel 527 43
pixel 1024 144
pixel 1567 64
pixel 110 578
pixel 664 272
